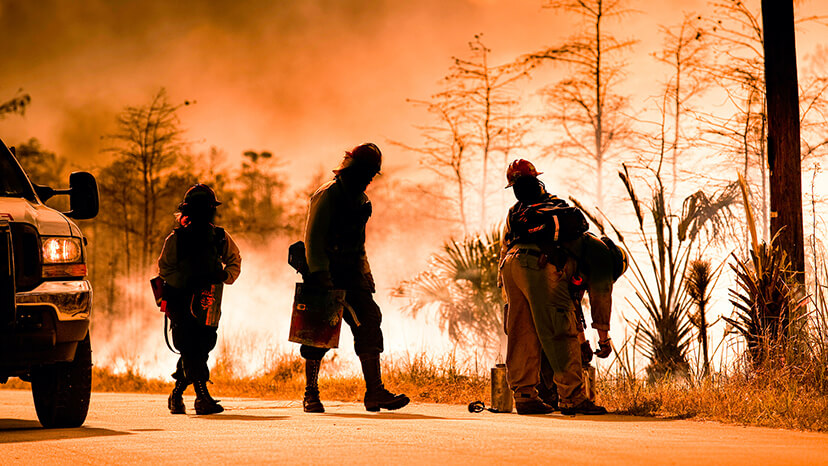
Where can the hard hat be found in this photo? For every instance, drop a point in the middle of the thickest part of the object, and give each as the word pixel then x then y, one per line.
pixel 519 168
pixel 365 155
pixel 620 262
pixel 200 195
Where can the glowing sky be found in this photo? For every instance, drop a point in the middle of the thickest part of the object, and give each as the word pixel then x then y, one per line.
pixel 294 77
pixel 304 79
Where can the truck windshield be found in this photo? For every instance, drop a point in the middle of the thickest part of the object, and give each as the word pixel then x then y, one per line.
pixel 13 182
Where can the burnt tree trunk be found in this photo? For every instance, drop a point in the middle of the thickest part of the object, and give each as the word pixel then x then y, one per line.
pixel 784 161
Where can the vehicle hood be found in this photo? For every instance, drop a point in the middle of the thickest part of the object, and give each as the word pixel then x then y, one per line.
pixel 48 221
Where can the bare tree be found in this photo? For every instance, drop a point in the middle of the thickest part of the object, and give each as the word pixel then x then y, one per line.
pixel 685 52
pixel 490 109
pixel 444 148
pixel 813 107
pixel 585 105
pixel 476 116
pixel 739 72
pixel 148 142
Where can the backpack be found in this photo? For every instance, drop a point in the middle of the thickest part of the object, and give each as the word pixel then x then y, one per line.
pixel 199 256
pixel 548 221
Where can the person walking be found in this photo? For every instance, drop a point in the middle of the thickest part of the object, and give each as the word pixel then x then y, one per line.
pixel 335 251
pixel 197 259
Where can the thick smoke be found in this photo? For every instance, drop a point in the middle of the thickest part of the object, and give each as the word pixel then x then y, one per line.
pixel 300 78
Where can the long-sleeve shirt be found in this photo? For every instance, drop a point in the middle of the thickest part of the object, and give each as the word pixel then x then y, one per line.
pixel 335 235
pixel 595 266
pixel 170 270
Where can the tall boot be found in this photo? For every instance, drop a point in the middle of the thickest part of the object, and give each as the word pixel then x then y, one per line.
pixel 312 403
pixel 176 401
pixel 204 403
pixel 376 396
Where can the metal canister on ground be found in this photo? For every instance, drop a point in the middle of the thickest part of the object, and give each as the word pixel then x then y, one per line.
pixel 589 382
pixel 502 400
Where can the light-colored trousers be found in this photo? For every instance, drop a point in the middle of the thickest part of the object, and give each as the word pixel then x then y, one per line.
pixel 540 316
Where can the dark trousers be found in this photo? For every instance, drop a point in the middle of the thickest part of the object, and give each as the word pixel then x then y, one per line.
pixel 194 341
pixel 367 336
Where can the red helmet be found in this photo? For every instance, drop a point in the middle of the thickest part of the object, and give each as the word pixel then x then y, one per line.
pixel 366 156
pixel 518 168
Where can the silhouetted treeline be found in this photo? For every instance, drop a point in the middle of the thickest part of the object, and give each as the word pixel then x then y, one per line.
pixel 148 170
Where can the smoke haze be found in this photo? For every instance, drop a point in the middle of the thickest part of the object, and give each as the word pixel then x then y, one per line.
pixel 304 79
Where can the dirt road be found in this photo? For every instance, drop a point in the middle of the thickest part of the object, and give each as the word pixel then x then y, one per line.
pixel 137 429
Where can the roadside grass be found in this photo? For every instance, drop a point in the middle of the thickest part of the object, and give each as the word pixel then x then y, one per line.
pixel 421 377
pixel 780 397
pixel 757 402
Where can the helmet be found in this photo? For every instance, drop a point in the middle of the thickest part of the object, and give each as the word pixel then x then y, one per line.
pixel 620 262
pixel 366 156
pixel 199 195
pixel 519 168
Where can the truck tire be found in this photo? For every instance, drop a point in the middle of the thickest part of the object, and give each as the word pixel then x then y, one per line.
pixel 61 391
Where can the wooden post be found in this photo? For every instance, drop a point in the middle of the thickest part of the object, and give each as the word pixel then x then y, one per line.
pixel 784 161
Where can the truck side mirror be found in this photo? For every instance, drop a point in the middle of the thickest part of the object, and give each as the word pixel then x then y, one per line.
pixel 83 196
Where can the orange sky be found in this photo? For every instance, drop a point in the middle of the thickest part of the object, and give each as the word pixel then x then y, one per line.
pixel 304 79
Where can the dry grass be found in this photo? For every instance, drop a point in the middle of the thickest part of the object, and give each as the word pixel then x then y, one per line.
pixel 779 397
pixel 769 397
pixel 422 378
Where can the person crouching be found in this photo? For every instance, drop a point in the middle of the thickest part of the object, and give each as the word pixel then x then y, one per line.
pixel 196 260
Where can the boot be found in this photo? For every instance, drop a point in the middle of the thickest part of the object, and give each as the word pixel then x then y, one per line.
pixel 204 403
pixel 176 401
pixel 312 403
pixel 376 396
pixel 548 395
pixel 584 407
pixel 527 404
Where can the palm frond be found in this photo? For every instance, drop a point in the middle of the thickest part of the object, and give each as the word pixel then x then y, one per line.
pixel 461 285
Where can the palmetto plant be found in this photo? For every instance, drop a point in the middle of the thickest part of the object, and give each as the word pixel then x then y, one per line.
pixel 765 297
pixel 669 239
pixel 461 284
pixel 765 300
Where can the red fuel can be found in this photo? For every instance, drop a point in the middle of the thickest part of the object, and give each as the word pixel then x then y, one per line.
pixel 316 319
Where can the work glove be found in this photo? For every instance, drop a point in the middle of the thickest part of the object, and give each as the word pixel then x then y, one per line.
pixel 604 349
pixel 586 353
pixel 320 279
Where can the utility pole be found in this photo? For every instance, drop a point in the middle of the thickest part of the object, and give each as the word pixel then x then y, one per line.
pixel 784 162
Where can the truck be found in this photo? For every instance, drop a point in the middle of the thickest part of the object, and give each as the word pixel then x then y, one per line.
pixel 45 296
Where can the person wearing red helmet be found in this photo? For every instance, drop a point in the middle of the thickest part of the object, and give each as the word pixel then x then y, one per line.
pixel 196 260
pixel 336 259
pixel 534 273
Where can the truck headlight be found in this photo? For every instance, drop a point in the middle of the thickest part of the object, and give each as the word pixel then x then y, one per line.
pixel 62 257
